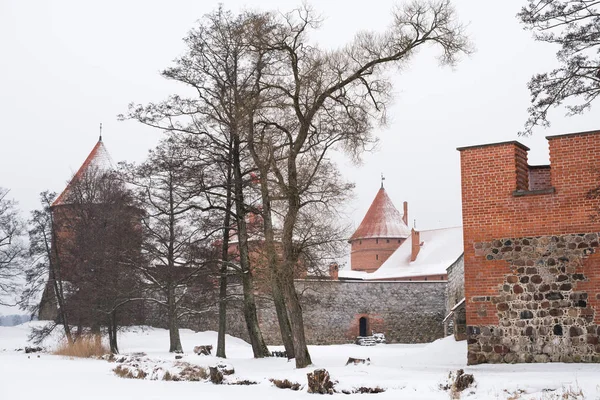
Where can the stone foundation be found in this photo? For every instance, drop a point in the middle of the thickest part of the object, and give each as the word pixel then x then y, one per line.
pixel 544 308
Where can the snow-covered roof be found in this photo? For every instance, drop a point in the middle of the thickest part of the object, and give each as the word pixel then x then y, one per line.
pixel 98 160
pixel 440 249
pixel 382 220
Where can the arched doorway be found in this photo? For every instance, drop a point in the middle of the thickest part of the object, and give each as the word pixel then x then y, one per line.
pixel 362 326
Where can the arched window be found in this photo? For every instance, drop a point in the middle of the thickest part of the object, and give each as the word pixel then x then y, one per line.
pixel 362 326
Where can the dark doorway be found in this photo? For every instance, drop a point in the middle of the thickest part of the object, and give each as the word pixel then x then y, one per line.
pixel 362 326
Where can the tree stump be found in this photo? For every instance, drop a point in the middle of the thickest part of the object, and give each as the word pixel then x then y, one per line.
pixel 203 350
pixel 462 381
pixel 216 376
pixel 320 382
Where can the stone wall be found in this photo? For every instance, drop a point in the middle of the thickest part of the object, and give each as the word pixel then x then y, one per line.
pixel 532 281
pixel 547 304
pixel 406 312
pixel 455 291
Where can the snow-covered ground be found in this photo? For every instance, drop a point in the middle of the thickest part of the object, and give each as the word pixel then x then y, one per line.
pixel 405 371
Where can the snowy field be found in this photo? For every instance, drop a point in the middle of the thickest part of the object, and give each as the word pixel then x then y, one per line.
pixel 405 371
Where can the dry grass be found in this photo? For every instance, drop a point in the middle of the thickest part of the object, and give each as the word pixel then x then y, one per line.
pixel 129 373
pixel 85 347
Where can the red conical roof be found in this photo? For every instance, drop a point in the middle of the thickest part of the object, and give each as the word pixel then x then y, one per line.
pixel 98 159
pixel 382 220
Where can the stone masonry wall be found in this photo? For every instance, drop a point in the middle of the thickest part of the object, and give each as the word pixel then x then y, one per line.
pixel 455 291
pixel 532 280
pixel 406 312
pixel 546 304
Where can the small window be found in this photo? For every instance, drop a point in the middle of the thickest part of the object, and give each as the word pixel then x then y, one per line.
pixel 399 241
pixel 360 242
pixel 377 256
pixel 387 240
pixel 376 241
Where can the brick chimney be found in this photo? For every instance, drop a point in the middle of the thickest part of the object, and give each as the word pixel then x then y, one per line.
pixel 415 237
pixel 405 216
pixel 333 271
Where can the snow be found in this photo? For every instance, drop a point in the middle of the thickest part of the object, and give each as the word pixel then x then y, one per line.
pixel 405 371
pixel 440 249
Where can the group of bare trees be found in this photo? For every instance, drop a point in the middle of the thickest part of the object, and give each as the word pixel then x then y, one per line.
pixel 268 108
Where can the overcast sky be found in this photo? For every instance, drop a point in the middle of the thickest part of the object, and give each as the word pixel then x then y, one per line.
pixel 66 66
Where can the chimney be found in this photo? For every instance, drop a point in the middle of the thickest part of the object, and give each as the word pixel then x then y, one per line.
pixel 415 238
pixel 333 271
pixel 405 216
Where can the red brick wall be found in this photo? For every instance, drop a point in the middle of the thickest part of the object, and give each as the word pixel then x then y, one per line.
pixel 539 177
pixel 369 254
pixel 498 202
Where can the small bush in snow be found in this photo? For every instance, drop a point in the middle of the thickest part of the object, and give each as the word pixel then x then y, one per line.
pixel 129 372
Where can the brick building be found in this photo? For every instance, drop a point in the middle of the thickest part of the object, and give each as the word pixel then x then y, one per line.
pixel 532 269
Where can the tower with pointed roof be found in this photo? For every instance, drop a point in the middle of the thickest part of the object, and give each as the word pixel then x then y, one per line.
pixel 97 162
pixel 381 232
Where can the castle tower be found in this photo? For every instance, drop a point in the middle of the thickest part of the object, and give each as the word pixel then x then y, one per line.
pixel 98 161
pixel 381 232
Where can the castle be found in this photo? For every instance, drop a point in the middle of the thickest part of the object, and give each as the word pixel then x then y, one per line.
pixel 531 280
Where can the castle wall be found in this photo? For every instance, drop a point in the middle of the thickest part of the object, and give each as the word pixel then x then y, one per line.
pixel 406 312
pixel 532 278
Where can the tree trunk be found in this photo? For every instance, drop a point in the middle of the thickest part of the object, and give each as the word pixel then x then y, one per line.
pixel 286 274
pixel 56 276
pixel 174 339
pixel 223 269
pixel 273 262
pixel 259 347
pixel 112 333
pixel 294 310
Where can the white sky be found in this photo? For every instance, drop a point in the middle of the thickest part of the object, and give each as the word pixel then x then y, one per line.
pixel 66 66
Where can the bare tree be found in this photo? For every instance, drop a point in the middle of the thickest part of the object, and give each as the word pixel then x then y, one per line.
pixel 574 25
pixel 177 232
pixel 45 272
pixel 12 249
pixel 326 100
pixel 213 66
